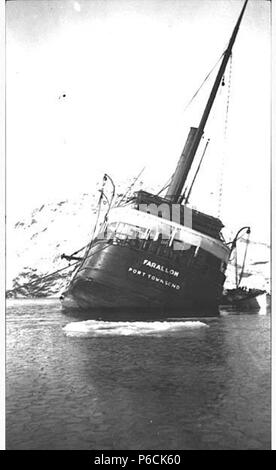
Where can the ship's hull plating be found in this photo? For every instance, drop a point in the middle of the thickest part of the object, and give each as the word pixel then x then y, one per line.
pixel 120 281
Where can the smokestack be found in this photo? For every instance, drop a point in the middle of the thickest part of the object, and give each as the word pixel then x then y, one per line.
pixel 182 169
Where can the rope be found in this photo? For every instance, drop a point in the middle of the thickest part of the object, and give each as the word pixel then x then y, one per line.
pixel 188 104
pixel 236 267
pixel 99 208
pixel 204 81
pixel 220 191
pixel 239 238
pixel 130 187
pixel 88 246
pixel 113 193
pixel 244 258
pixel 78 251
pixel 196 173
pixel 35 281
pixel 106 176
pixel 165 187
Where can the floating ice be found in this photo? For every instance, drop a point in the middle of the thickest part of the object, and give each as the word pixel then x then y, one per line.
pixel 91 328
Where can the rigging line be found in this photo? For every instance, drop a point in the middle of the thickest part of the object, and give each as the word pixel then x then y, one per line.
pixel 196 173
pixel 165 186
pixel 113 193
pixel 204 81
pixel 80 268
pixel 109 203
pixel 236 267
pixel 81 249
pixel 244 258
pixel 35 281
pixel 188 104
pixel 131 186
pixel 95 227
pixel 220 192
pixel 85 257
pixel 239 238
pixel 98 213
pixel 97 218
pixel 107 200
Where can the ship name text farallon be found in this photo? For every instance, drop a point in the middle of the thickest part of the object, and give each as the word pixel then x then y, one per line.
pixel 160 267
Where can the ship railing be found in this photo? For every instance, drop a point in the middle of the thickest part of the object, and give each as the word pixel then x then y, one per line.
pixel 169 230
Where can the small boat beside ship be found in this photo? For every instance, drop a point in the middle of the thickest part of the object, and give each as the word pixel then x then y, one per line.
pixel 152 255
pixel 243 298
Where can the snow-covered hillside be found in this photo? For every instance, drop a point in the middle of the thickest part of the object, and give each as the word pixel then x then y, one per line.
pixel 36 242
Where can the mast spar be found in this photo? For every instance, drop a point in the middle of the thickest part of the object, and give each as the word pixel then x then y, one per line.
pixel 184 164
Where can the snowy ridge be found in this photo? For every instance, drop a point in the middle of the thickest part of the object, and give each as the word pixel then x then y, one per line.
pixel 36 242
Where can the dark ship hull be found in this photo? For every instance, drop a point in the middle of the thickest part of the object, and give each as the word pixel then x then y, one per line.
pixel 147 275
pixel 124 284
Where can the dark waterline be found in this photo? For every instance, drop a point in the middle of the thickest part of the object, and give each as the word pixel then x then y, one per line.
pixel 191 384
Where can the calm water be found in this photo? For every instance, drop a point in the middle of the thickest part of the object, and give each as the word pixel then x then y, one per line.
pixel 160 385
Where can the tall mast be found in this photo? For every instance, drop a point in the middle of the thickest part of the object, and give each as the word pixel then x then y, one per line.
pixel 188 154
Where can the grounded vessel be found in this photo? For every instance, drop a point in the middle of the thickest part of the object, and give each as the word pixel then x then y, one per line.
pixel 155 255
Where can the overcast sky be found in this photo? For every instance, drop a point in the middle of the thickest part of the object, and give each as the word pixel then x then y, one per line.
pixel 127 69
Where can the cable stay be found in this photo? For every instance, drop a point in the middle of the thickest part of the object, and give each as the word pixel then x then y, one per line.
pixel 167 184
pixel 223 160
pixel 49 275
pixel 42 278
pixel 130 187
pixel 203 83
pixel 78 259
pixel 186 198
pixel 239 276
pixel 187 106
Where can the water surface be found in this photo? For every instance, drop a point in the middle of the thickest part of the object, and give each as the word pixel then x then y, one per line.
pixel 186 384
